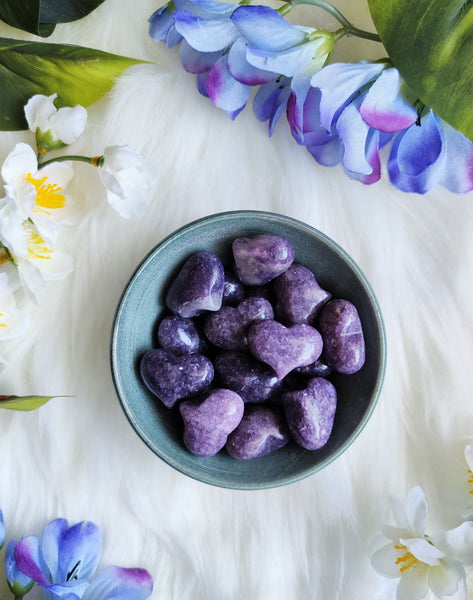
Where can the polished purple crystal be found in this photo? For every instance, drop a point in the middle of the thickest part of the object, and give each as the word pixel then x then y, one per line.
pixel 227 327
pixel 198 286
pixel 342 333
pixel 263 429
pixel 234 291
pixel 172 378
pixel 310 413
pixel 251 379
pixel 208 421
pixel 179 335
pixel 299 296
pixel 319 368
pixel 284 348
pixel 261 258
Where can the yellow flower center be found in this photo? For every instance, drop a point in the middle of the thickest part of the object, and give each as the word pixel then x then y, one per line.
pixel 47 194
pixel 37 247
pixel 470 480
pixel 2 324
pixel 3 258
pixel 407 560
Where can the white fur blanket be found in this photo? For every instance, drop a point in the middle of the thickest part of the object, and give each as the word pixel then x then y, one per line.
pixel 78 457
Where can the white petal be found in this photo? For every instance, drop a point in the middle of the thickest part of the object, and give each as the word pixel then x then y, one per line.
pixel 31 279
pixel 384 561
pixel 445 579
pixel 57 267
pixel 414 584
pixel 12 233
pixel 20 162
pixel 59 173
pixel 423 551
pixel 39 110
pixel 416 511
pixel 69 123
pixel 458 542
pixel 399 512
pixel 469 456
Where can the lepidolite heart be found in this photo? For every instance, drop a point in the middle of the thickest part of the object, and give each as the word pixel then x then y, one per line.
pixel 208 421
pixel 227 327
pixel 284 348
pixel 310 413
pixel 172 378
pixel 261 258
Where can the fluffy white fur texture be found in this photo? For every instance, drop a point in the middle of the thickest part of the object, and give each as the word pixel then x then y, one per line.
pixel 78 457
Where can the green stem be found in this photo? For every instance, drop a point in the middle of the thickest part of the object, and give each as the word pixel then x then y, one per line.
pixel 91 160
pixel 349 28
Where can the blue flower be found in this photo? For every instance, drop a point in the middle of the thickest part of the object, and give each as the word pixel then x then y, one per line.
pixel 19 583
pixel 117 583
pixel 63 560
pixel 2 530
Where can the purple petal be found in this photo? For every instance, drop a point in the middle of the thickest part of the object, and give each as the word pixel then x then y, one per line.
pixel 266 29
pixel 353 132
pixel 201 81
pixel 372 157
pixel 80 551
pixel 27 558
pixel 226 92
pixel 339 83
pixel 205 35
pixel 15 577
pixel 286 62
pixel 418 157
pixel 271 100
pixel 305 122
pixel 120 584
pixel 50 544
pixel 242 70
pixel 384 108
pixel 196 62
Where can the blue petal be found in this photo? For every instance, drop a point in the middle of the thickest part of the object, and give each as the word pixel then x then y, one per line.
pixel 305 123
pixel 160 23
pixel 226 92
pixel 339 83
pixel 286 62
pixel 458 175
pixel 418 156
pixel 27 557
pixel 201 81
pixel 205 35
pixel 328 154
pixel 384 107
pixel 353 132
pixel 2 530
pixel 206 8
pixel 271 100
pixel 16 578
pixel 196 62
pixel 242 70
pixel 265 29
pixel 80 551
pixel 116 583
pixel 50 544
pixel 173 37
pixel 71 590
pixel 372 157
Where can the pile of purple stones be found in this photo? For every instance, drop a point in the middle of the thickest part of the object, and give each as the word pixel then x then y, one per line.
pixel 245 353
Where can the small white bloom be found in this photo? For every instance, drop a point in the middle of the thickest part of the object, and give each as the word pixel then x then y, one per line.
pixel 54 128
pixel 128 177
pixel 13 322
pixel 37 193
pixel 424 563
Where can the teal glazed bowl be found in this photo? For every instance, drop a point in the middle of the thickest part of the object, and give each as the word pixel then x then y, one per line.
pixel 142 305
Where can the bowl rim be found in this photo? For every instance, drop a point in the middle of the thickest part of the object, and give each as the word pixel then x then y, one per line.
pixel 283 219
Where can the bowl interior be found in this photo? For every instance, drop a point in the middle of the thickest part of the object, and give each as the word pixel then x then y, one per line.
pixel 134 332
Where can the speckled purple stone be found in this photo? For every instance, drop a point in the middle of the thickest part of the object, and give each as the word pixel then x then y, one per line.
pixel 284 348
pixel 261 258
pixel 172 378
pixel 299 296
pixel 234 291
pixel 251 379
pixel 227 327
pixel 198 286
pixel 342 333
pixel 310 413
pixel 319 368
pixel 179 336
pixel 208 421
pixel 262 430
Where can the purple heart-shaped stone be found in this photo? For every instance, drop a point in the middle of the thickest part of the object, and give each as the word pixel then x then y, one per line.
pixel 263 429
pixel 198 286
pixel 342 332
pixel 208 421
pixel 227 327
pixel 172 378
pixel 284 348
pixel 261 258
pixel 251 379
pixel 179 336
pixel 310 413
pixel 299 296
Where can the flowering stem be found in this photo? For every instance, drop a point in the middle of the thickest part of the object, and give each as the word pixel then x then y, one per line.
pixel 96 161
pixel 349 28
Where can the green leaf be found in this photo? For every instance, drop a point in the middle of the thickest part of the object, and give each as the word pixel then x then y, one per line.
pixel 78 75
pixel 431 44
pixel 25 403
pixel 64 11
pixel 25 15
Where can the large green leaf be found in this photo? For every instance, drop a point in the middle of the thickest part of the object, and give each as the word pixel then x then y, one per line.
pixel 64 11
pixel 431 44
pixel 24 403
pixel 78 75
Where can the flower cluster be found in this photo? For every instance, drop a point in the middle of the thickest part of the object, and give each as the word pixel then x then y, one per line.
pixel 62 562
pixel 343 113
pixel 36 207
pixel 424 563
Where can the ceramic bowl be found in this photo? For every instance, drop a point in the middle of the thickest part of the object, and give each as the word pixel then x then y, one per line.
pixel 142 305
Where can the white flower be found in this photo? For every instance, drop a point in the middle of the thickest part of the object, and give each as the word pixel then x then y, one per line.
pixel 424 563
pixel 13 322
pixel 128 177
pixel 37 193
pixel 54 128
